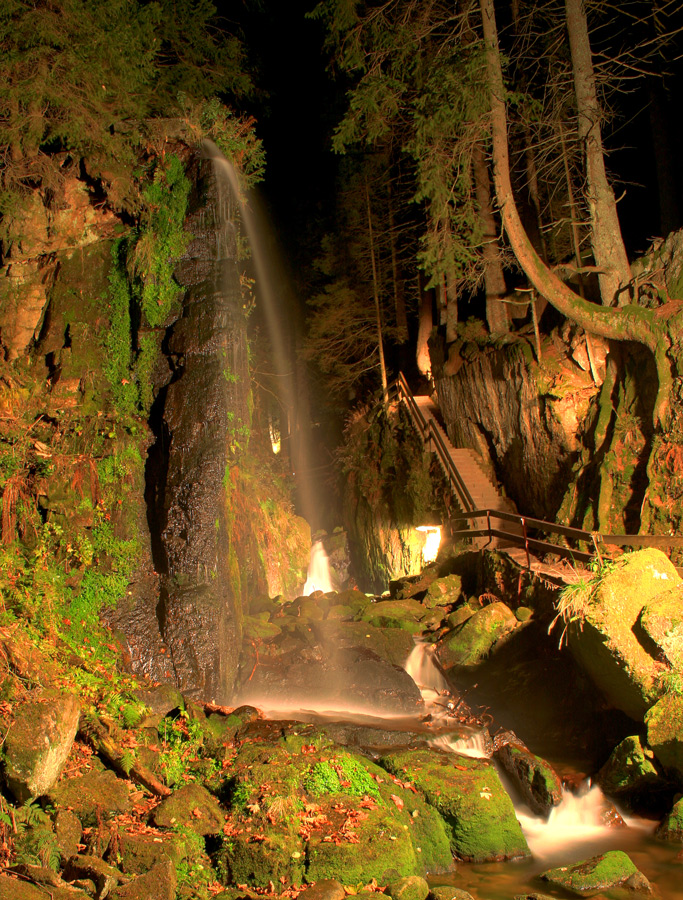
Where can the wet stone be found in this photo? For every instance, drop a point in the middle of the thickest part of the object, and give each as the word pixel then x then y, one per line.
pixel 327 889
pixel 599 873
pixel 411 887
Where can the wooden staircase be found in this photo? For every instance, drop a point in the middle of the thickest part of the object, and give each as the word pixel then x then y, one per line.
pixel 470 486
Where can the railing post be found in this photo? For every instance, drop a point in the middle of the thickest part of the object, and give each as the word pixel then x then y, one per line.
pixel 526 541
pixel 488 524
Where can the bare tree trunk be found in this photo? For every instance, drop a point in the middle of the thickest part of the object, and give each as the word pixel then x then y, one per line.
pixel 424 331
pixel 375 292
pixel 608 245
pixel 399 292
pixel 497 314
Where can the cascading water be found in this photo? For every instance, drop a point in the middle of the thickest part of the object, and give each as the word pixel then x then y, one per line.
pixel 580 825
pixel 319 573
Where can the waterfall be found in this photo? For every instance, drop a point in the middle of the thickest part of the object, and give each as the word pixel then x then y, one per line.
pixel 319 573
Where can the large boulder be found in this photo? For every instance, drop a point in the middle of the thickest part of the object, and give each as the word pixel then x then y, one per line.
pixel 468 794
pixel 470 643
pixel 97 794
pixel 302 807
pixel 192 807
pixel 612 637
pixel 39 743
pixel 631 771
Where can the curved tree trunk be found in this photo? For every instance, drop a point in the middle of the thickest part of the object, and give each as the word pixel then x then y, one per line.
pixel 608 245
pixel 632 323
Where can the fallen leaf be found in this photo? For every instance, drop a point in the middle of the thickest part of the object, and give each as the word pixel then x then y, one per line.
pixel 398 801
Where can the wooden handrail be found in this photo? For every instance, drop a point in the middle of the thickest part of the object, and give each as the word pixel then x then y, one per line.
pixel 434 438
pixel 430 435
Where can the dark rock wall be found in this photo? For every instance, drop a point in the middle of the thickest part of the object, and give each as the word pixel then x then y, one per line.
pixel 205 410
pixel 522 418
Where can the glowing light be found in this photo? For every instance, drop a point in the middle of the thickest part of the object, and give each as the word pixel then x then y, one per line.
pixel 432 542
pixel 319 574
pixel 275 437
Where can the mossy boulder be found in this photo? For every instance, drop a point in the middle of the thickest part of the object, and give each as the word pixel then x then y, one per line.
pixel 411 887
pixel 610 643
pixel 469 796
pixel 95 795
pixel 443 592
pixel 15 889
pixel 327 889
pixel 537 781
pixel 599 873
pixel 404 614
pixel 302 806
pixel 160 882
pixel 665 732
pixel 140 853
pixel 446 892
pixel 391 644
pixel 661 624
pixel 193 807
pixel 68 833
pixel 630 769
pixel 256 858
pixel 38 744
pixel 671 826
pixel 381 848
pixel 472 642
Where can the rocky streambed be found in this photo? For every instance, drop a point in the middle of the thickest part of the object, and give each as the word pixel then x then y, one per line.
pixel 121 789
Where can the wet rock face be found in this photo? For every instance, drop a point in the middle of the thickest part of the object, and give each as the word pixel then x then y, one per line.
pixel 204 417
pixel 497 403
pixel 350 679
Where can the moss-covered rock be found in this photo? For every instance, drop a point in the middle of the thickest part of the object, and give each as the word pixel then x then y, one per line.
pixel 392 644
pixel 410 888
pixel 671 826
pixel 191 806
pixel 302 806
pixel 443 591
pixel 256 858
pixel 160 882
pixel 382 848
pixel 468 645
pixel 446 892
pixel 609 644
pixel 469 796
pixel 630 769
pixel 405 614
pixel 539 784
pixel 665 732
pixel 16 889
pixel 599 873
pixel 661 623
pixel 68 833
pixel 96 794
pixel 139 853
pixel 38 744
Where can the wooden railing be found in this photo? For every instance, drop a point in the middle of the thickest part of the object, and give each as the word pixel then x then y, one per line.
pixel 433 437
pixel 529 525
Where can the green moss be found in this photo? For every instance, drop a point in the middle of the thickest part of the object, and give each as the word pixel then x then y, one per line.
pixel 611 869
pixel 340 775
pixel 383 851
pixel 468 795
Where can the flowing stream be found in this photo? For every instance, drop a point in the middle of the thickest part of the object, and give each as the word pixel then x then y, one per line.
pixel 575 829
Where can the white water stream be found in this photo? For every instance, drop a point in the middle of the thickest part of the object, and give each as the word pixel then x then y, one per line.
pixel 319 573
pixel 579 821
